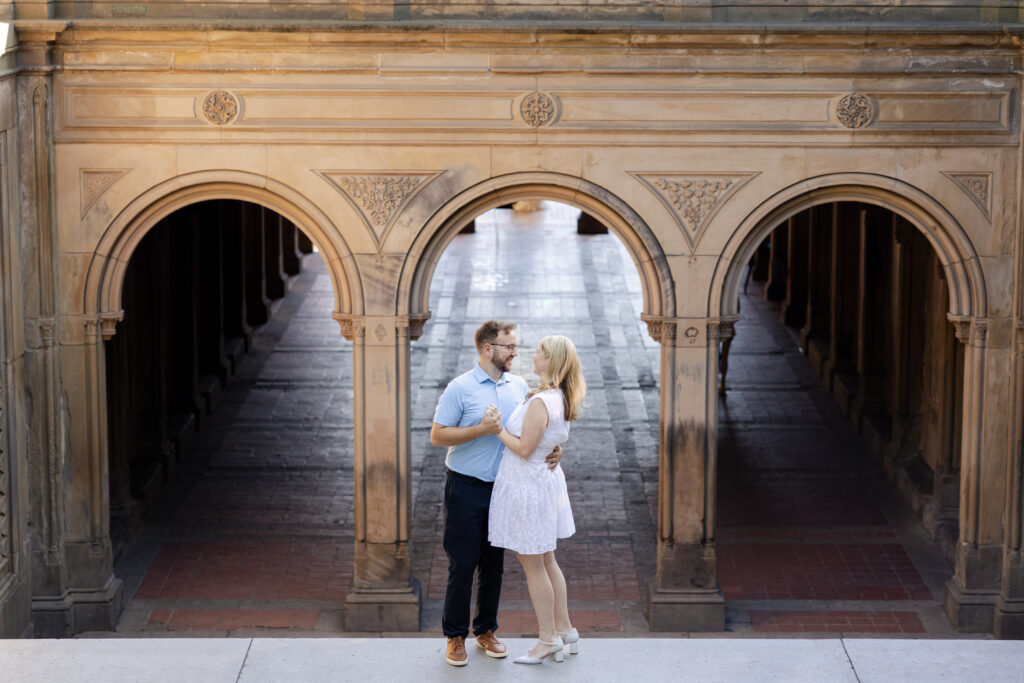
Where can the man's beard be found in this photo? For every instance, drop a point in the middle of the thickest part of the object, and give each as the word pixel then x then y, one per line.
pixel 503 366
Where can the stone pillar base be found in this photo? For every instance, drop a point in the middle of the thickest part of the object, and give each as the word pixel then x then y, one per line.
pixel 381 609
pixel 690 611
pixel 1009 619
pixel 969 612
pixel 78 611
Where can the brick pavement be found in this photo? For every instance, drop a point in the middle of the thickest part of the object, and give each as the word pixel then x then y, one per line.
pixel 255 536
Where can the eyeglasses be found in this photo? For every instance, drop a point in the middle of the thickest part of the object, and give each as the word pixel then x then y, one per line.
pixel 510 347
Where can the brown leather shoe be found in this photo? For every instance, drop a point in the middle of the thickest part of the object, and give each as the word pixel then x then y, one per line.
pixel 456 653
pixel 490 644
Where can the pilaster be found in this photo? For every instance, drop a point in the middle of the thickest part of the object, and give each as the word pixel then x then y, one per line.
pixel 383 596
pixel 685 595
pixel 1009 611
pixel 972 593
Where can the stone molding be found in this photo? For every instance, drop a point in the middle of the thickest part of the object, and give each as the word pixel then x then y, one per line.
pixel 405 326
pixel 352 327
pixel 95 182
pixel 978 188
pixel 693 198
pixel 856 110
pixel 379 198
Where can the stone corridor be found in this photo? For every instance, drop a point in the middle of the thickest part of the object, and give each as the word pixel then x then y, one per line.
pixel 254 536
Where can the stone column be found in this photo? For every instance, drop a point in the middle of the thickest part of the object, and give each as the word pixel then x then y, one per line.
pixel 305 244
pixel 276 278
pixel 775 289
pixel 845 288
pixel 872 350
pixel 685 595
pixel 236 318
pixel 814 337
pixel 257 303
pixel 972 593
pixel 794 306
pixel 1009 612
pixel 213 360
pixel 291 255
pixel 384 596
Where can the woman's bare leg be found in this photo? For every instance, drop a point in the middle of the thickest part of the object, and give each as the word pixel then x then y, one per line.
pixel 559 593
pixel 542 597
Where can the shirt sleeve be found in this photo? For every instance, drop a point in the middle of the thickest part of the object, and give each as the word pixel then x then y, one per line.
pixel 449 407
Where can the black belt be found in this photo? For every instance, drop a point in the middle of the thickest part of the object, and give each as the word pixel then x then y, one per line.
pixel 466 479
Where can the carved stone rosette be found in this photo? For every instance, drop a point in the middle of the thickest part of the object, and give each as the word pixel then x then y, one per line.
pixel 220 107
pixel 539 109
pixel 855 110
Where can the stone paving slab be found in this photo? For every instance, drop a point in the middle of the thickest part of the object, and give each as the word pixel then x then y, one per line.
pixel 257 660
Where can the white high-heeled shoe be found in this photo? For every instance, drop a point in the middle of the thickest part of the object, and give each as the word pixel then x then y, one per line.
pixel 572 640
pixel 555 652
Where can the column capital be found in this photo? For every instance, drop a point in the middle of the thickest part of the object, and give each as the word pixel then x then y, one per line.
pixel 970 331
pixel 411 326
pixel 689 331
pixel 352 326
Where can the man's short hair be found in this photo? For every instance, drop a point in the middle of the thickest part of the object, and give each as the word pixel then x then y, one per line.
pixel 490 330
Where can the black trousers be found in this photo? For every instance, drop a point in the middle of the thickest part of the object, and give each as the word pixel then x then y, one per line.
pixel 467 501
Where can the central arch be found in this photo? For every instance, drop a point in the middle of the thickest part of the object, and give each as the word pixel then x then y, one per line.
pixel 641 243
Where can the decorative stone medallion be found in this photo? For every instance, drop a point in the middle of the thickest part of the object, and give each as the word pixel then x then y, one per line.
pixel 855 110
pixel 976 185
pixel 378 198
pixel 693 199
pixel 539 109
pixel 220 107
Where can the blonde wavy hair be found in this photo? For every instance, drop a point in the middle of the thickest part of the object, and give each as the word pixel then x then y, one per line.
pixel 563 373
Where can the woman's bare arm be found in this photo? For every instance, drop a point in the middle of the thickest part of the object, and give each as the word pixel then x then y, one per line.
pixel 534 424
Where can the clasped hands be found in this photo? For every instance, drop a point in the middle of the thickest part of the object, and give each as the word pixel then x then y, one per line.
pixel 491 422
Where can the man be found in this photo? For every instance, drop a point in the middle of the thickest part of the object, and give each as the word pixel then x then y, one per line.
pixel 468 418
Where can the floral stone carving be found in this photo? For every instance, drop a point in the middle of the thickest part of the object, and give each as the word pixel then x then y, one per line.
pixel 855 110
pixel 220 107
pixel 378 198
pixel 538 109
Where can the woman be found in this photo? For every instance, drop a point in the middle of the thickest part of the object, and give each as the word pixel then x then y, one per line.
pixel 529 502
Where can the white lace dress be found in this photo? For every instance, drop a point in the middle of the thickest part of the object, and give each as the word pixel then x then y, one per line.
pixel 529 502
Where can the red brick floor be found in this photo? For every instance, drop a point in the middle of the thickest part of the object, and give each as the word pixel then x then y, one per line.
pixel 832 621
pixel 257 532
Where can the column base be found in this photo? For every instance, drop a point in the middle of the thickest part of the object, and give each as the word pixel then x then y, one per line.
pixel 1009 619
pixel 369 609
pixel 78 611
pixel 690 611
pixel 969 611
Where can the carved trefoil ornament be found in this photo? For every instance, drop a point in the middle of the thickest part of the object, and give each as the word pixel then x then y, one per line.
pixel 855 110
pixel 379 198
pixel 94 182
pixel 693 199
pixel 539 109
pixel 978 187
pixel 221 107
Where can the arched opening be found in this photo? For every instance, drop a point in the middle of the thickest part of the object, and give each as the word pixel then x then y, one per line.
pixel 541 269
pixel 228 406
pixel 839 418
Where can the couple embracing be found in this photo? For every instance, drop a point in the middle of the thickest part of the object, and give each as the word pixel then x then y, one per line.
pixel 505 489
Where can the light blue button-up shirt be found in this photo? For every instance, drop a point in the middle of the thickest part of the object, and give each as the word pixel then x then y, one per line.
pixel 463 404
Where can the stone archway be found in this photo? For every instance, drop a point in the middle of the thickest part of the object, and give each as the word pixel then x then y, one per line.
pixel 683 595
pixel 969 598
pixel 87 401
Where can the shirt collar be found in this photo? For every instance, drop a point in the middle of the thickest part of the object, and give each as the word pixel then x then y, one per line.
pixel 481 376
